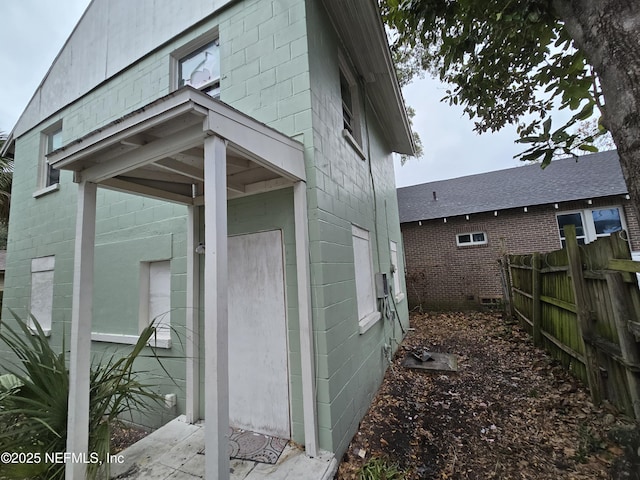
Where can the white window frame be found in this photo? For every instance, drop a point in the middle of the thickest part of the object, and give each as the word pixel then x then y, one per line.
pixel 395 271
pixel 472 242
pixel 366 301
pixel 146 310
pixel 353 137
pixel 41 296
pixel 588 224
pixel 44 186
pixel 155 300
pixel 189 49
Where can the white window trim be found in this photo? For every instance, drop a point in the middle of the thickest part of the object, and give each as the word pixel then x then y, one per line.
pixel 143 305
pixel 397 284
pixel 369 321
pixel 588 224
pixel 45 190
pixel 42 176
pixel 129 339
pixel 185 50
pixel 42 265
pixel 472 242
pixel 369 318
pixel 355 139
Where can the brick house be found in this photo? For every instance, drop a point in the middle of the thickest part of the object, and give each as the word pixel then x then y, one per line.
pixel 456 230
pixel 223 169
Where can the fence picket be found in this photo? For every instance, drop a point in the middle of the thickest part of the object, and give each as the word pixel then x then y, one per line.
pixel 582 304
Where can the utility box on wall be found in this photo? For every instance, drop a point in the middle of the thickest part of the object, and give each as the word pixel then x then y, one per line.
pixel 382 285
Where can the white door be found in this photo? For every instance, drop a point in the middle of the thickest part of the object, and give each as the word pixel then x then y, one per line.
pixel 258 367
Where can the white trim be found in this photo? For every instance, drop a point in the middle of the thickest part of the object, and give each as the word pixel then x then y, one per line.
pixel 46 331
pixel 354 143
pixel 129 339
pixel 81 317
pixel 216 311
pixel 472 242
pixel 305 320
pixel 45 190
pixel 369 321
pixel 400 297
pixel 588 224
pixel 186 49
pixel 192 315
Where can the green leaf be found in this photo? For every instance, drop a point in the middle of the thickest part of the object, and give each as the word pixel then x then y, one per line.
pixel 588 148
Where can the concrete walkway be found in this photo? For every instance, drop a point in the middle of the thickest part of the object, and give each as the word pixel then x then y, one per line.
pixel 171 453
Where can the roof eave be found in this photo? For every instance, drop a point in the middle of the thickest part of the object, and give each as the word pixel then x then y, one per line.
pixel 360 27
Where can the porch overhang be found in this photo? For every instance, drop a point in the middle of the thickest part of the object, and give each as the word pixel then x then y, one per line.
pixel 158 151
pixel 190 149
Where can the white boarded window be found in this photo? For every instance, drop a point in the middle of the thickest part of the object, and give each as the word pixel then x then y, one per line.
pixel 42 291
pixel 155 300
pixel 397 292
pixel 363 265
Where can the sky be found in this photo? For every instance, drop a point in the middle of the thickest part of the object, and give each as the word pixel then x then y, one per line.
pixel 34 31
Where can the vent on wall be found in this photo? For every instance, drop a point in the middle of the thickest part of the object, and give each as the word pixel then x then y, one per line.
pixel 491 303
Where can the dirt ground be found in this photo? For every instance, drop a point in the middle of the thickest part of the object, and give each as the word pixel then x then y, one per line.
pixel 510 412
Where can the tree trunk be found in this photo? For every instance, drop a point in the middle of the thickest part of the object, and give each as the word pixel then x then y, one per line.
pixel 608 33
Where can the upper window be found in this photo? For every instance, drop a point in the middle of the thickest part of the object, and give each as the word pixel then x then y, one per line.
pixel 350 106
pixel 472 238
pixel 592 223
pixel 201 69
pixel 347 104
pixel 51 140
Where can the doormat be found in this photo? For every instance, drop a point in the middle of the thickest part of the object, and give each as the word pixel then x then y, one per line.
pixel 425 360
pixel 255 447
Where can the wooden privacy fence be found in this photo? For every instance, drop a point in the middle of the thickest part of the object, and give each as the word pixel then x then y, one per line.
pixel 582 304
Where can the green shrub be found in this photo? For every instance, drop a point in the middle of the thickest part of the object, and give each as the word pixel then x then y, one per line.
pixel 379 469
pixel 33 399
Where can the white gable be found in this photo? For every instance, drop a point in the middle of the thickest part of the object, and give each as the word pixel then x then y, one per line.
pixel 111 35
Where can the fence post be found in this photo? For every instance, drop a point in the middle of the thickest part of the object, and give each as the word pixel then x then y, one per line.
pixel 536 284
pixel 628 345
pixel 583 313
pixel 505 276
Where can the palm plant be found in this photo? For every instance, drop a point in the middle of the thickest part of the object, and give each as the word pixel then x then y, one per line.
pixel 6 178
pixel 33 401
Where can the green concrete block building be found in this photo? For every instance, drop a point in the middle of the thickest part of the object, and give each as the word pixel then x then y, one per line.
pixel 225 170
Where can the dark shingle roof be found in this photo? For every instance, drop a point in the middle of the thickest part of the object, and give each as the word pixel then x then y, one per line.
pixel 567 179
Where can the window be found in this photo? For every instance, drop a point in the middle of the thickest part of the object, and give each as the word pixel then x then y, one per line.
pixel 572 219
pixel 42 292
pixel 365 288
pixel 606 221
pixel 397 289
pixel 201 69
pixel 155 300
pixel 591 224
pixel 472 238
pixel 49 177
pixel 350 107
pixel 347 104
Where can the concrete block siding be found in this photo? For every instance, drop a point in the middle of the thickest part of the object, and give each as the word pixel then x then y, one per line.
pixel 279 64
pixel 441 275
pixel 349 190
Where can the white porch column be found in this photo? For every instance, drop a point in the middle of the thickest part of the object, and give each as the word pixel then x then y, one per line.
pixel 81 313
pixel 305 319
pixel 193 316
pixel 216 337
